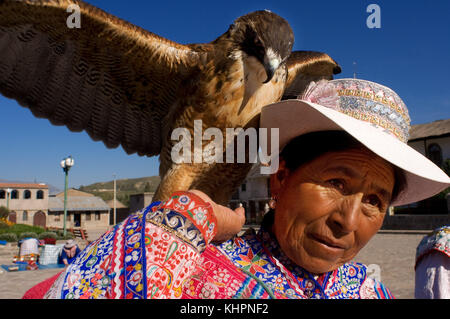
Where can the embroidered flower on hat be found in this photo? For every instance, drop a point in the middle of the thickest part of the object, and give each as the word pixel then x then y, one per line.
pixel 322 93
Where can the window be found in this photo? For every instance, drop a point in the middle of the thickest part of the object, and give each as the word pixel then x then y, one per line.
pixel 25 216
pixel 15 194
pixel 27 194
pixel 40 194
pixel 97 215
pixel 2 194
pixel 435 154
pixel 244 187
pixel 88 216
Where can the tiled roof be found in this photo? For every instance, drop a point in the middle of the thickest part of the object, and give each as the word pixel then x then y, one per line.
pixel 20 185
pixel 77 203
pixel 73 192
pixel 436 128
pixel 118 204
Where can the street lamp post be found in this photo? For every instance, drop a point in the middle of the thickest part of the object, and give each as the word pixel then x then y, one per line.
pixel 66 164
pixel 114 205
pixel 8 192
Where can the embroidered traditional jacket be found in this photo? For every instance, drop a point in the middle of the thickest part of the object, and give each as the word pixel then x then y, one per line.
pixel 165 251
pixel 437 241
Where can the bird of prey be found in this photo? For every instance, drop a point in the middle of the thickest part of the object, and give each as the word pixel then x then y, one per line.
pixel 128 87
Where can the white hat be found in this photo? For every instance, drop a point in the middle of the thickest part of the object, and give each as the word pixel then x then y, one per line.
pixel 70 243
pixel 373 114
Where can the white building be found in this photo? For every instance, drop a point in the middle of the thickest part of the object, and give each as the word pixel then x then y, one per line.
pixel 30 204
pixel 254 195
pixel 432 140
pixel 27 202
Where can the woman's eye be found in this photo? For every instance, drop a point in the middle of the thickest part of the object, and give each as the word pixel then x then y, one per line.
pixel 374 200
pixel 337 183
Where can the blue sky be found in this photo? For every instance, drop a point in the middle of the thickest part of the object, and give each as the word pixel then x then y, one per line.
pixel 409 53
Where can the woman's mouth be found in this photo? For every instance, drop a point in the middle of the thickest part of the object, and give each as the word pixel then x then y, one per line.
pixel 328 242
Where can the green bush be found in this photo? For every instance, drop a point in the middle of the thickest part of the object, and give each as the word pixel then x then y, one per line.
pixel 28 235
pixel 48 234
pixel 4 212
pixel 3 225
pixel 22 228
pixel 69 235
pixel 9 237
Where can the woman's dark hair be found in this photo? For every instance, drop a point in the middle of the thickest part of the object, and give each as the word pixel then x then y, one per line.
pixel 305 148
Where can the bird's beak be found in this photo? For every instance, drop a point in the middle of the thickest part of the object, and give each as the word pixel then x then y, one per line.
pixel 271 65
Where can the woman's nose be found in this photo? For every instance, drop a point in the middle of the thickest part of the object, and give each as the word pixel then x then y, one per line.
pixel 346 217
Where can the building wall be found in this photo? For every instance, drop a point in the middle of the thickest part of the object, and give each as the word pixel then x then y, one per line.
pixel 254 196
pixel 25 209
pixel 443 142
pixel 31 204
pixel 140 201
pixel 88 219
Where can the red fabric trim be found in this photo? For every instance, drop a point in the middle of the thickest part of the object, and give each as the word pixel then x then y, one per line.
pixel 189 208
pixel 38 291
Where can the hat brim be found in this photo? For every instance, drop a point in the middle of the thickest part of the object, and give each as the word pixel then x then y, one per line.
pixel 295 117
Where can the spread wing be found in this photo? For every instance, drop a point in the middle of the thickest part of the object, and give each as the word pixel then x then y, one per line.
pixel 306 66
pixel 110 78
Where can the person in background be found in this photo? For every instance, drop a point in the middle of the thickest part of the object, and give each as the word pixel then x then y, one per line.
pixel 433 265
pixel 69 252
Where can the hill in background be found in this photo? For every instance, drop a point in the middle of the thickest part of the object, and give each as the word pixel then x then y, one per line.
pixel 124 188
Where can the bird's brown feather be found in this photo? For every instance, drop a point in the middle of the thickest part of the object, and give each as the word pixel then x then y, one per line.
pixel 306 66
pixel 127 86
pixel 110 78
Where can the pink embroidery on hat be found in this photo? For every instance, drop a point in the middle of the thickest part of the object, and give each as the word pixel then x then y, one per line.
pixel 323 93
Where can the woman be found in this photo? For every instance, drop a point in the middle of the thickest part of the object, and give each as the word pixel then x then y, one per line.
pixel 344 161
pixel 432 268
pixel 69 252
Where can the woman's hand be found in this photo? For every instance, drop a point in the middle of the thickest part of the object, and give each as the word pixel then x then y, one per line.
pixel 229 222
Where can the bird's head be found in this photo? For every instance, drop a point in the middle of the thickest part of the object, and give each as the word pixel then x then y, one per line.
pixel 265 36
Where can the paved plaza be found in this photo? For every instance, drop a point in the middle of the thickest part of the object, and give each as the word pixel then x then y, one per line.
pixel 392 254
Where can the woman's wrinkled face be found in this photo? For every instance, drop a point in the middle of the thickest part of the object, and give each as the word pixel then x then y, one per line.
pixel 328 209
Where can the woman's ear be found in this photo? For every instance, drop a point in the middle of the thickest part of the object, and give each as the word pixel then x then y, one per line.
pixel 278 178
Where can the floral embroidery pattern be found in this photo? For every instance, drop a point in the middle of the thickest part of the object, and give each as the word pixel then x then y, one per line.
pixel 252 262
pixel 134 261
pixel 438 240
pixel 195 210
pixel 87 277
pixel 161 253
pixel 169 263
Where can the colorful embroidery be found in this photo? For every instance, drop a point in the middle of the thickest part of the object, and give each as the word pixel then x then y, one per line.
pixel 170 261
pixel 117 259
pixel 161 253
pixel 438 240
pixel 134 261
pixel 268 263
pixel 87 277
